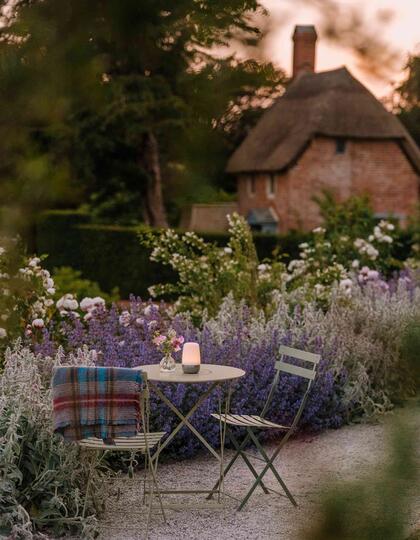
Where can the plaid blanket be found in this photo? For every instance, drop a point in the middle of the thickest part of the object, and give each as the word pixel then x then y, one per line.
pixel 96 402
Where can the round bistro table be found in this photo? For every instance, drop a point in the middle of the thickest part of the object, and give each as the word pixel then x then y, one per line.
pixel 213 374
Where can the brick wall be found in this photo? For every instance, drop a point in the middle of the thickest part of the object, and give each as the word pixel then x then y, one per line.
pixel 379 169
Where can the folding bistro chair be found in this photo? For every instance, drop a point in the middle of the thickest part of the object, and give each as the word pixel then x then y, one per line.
pixel 254 422
pixel 142 443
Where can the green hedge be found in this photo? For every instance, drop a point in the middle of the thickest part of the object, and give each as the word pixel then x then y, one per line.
pixel 109 255
pixel 114 257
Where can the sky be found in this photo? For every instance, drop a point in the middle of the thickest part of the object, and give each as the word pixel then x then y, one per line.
pixel 394 22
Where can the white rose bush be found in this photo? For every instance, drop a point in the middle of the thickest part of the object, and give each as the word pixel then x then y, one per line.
pixel 28 297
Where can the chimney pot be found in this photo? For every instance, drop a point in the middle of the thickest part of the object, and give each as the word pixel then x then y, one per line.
pixel 304 40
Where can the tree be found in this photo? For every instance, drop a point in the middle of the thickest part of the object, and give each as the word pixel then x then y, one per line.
pixel 96 87
pixel 408 95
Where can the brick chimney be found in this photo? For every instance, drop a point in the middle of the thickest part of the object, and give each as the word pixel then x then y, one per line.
pixel 304 40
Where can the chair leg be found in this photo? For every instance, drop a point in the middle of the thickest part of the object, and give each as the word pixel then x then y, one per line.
pixel 249 464
pixel 146 477
pixel 227 468
pixel 89 481
pixel 269 465
pixel 149 513
pixel 153 470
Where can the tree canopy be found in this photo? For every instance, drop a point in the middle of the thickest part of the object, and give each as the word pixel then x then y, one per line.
pixel 108 101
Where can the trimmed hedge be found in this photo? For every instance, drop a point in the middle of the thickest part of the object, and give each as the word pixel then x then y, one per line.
pixel 110 255
pixel 113 256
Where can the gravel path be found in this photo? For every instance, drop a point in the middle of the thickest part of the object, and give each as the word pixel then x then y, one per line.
pixel 306 464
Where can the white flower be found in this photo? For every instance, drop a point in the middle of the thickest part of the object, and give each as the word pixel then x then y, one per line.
pixel 387 239
pixel 4 317
pixel 227 250
pixel 125 318
pixel 372 253
pixel 51 291
pixel 318 230
pixel 139 321
pixel 88 316
pixel 98 301
pixel 86 304
pixel 49 283
pixel 38 323
pixel 34 261
pixel 49 302
pixel 3 332
pixel 2 250
pixel 304 245
pixel 346 283
pixel 373 274
pixel 152 291
pixel 355 263
pixel 389 226
pixel 263 267
pixel 148 309
pixel 68 302
pixel 152 324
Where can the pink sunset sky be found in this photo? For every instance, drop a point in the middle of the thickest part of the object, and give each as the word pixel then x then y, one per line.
pixel 394 22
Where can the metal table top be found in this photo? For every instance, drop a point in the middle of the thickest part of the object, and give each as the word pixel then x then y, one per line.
pixel 207 373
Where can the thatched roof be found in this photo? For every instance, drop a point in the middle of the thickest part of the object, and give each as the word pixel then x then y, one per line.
pixel 332 104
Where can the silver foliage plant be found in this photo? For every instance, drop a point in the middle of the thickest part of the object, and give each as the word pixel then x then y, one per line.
pixel 42 478
pixel 360 336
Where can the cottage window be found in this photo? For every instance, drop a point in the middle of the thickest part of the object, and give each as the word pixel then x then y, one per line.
pixel 271 185
pixel 340 146
pixel 251 185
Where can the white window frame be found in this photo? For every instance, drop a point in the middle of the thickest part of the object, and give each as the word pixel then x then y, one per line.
pixel 271 186
pixel 251 185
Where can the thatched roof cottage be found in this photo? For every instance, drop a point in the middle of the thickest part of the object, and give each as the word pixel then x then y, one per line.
pixel 327 132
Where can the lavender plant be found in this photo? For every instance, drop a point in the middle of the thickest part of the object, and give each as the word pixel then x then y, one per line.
pixel 42 478
pixel 362 372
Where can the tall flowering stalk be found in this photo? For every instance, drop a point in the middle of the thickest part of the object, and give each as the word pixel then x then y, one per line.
pixel 206 272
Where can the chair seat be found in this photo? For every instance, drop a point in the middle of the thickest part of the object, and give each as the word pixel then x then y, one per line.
pixel 138 442
pixel 246 420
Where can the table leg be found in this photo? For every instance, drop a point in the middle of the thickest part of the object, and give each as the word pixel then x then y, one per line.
pixel 184 420
pixel 222 429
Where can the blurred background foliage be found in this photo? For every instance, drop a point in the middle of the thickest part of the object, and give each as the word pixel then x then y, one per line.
pixel 131 109
pixel 378 506
pixel 104 99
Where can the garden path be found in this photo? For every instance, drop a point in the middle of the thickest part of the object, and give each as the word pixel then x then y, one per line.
pixel 307 464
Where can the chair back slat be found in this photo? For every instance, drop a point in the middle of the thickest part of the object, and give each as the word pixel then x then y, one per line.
pixel 300 355
pixel 295 370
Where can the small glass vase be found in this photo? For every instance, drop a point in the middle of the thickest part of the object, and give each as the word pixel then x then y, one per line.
pixel 167 364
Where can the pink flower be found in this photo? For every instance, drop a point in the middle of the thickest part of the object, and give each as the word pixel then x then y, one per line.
pixel 159 340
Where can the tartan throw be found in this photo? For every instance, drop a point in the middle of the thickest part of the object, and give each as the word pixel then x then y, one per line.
pixel 99 402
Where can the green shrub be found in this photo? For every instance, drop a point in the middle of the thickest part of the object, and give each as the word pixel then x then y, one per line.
pixel 410 349
pixel 42 477
pixel 68 280
pixel 377 507
pixel 112 256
